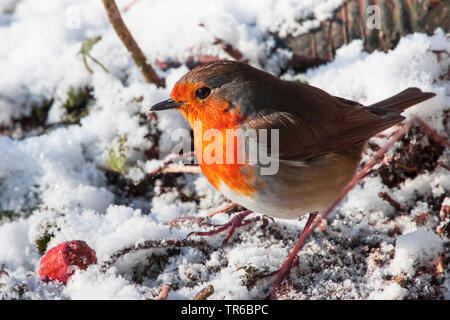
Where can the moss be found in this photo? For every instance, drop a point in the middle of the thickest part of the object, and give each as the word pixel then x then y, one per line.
pixel 117 157
pixel 76 104
pixel 8 216
pixel 32 124
pixel 44 239
pixel 42 242
pixel 301 81
pixel 251 276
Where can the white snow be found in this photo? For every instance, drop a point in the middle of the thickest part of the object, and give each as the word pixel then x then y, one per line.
pixel 93 284
pixel 391 292
pixel 414 249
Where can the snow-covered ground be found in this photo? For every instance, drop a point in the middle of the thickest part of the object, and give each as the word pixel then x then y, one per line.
pixel 56 184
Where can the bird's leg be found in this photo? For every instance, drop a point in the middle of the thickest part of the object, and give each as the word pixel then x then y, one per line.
pixel 232 225
pixel 444 141
pixel 312 223
pixel 285 268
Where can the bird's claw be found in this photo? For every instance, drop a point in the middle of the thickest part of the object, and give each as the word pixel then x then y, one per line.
pixel 174 222
pixel 232 225
pixel 229 209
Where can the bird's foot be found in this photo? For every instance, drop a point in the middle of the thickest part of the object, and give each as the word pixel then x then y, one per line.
pixel 280 277
pixel 291 261
pixel 281 280
pixel 177 220
pixel 229 209
pixel 280 274
pixel 232 225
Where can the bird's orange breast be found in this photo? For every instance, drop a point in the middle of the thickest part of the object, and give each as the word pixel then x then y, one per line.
pixel 218 156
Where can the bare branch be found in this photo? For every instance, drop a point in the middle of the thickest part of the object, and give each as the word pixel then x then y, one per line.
pixel 185 169
pixel 386 197
pixel 234 52
pixel 164 168
pixel 431 132
pixel 205 293
pixel 165 289
pixel 131 45
pixel 128 6
pixel 149 244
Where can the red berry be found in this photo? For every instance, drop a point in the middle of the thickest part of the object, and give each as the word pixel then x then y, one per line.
pixel 58 263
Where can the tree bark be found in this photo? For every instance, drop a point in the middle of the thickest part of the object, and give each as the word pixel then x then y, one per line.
pixel 349 22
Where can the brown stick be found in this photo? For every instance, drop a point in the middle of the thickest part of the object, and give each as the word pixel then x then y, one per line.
pixel 431 132
pixel 235 53
pixel 185 169
pixel 87 66
pixel 164 168
pixel 386 197
pixel 128 6
pixel 131 45
pixel 149 244
pixel 205 293
pixel 164 293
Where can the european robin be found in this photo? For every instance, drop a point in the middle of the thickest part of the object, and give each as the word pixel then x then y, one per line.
pixel 319 137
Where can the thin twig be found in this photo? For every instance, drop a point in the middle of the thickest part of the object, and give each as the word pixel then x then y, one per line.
pixel 185 169
pixel 235 53
pixel 164 293
pixel 205 293
pixel 131 45
pixel 86 65
pixel 174 222
pixel 431 132
pixel 149 244
pixel 98 62
pixel 4 273
pixel 386 197
pixel 165 165
pixel 128 6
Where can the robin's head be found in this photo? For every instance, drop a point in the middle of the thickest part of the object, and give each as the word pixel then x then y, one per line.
pixel 218 88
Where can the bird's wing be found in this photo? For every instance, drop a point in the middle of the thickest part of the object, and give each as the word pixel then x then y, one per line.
pixel 312 123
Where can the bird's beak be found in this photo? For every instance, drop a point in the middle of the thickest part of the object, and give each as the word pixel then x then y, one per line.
pixel 167 104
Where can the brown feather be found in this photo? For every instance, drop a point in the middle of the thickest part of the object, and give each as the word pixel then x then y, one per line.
pixel 334 124
pixel 321 137
pixel 404 99
pixel 310 121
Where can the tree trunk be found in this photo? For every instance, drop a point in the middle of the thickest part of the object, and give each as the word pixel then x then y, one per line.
pixel 350 21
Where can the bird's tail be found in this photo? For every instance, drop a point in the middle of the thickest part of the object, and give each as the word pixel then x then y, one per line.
pixel 404 99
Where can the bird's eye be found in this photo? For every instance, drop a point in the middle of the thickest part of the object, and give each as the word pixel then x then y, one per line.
pixel 203 92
